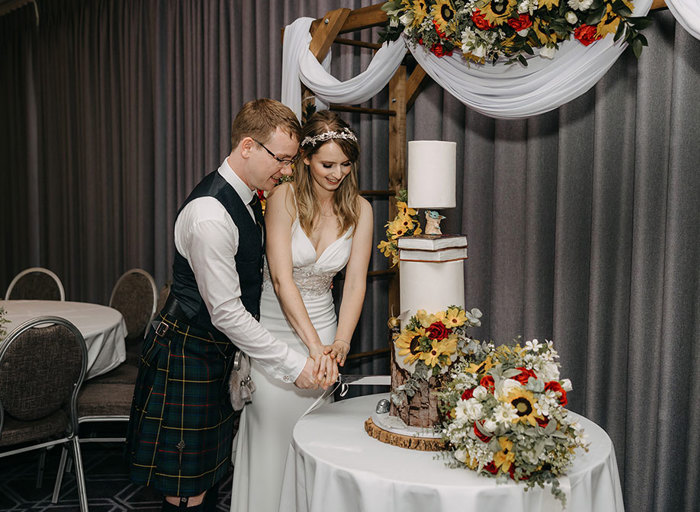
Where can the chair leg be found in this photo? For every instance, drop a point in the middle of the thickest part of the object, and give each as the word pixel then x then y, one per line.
pixel 59 474
pixel 79 475
pixel 40 469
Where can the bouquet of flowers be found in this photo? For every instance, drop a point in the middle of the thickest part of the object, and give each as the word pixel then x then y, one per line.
pixel 505 415
pixel 430 343
pixel 491 30
pixel 404 224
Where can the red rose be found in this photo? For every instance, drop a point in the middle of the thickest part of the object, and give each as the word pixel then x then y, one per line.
pixel 437 330
pixel 468 394
pixel 542 422
pixel 491 468
pixel 420 41
pixel 524 375
pixel 439 50
pixel 488 383
pixel 586 34
pixel 556 387
pixel 521 23
pixel 480 21
pixel 479 434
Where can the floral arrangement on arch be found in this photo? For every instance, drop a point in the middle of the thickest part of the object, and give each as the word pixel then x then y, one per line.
pixel 404 224
pixel 493 30
pixel 430 343
pixel 505 417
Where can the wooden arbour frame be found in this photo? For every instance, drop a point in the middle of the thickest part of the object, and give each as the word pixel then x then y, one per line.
pixel 403 91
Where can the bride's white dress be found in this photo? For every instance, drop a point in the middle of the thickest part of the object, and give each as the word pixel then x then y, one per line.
pixel 266 424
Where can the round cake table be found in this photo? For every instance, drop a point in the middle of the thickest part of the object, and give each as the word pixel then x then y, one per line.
pixel 334 465
pixel 102 327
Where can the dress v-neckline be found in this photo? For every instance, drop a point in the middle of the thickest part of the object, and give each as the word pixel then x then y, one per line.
pixel 319 256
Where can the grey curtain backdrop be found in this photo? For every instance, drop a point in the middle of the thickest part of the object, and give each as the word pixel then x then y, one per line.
pixel 582 223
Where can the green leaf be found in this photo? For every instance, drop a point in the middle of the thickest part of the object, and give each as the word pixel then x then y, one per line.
pixel 594 17
pixel 636 47
pixel 623 10
pixel 640 23
pixel 643 40
pixel 620 31
pixel 522 60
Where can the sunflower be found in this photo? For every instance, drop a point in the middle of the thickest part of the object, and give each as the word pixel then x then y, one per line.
pixel 455 317
pixel 404 210
pixel 524 403
pixel 479 368
pixel 396 228
pixel 497 12
pixel 425 318
pixel 387 248
pixel 445 16
pixel 419 9
pixel 548 4
pixel 505 457
pixel 408 343
pixel 609 23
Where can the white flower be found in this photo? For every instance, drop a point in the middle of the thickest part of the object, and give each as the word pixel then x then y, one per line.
pixel 528 6
pixel 523 32
pixel 490 425
pixel 580 5
pixel 506 387
pixel 468 38
pixel 473 409
pixel 461 455
pixel 566 385
pixel 571 17
pixel 480 393
pixel 548 52
pixel 504 413
pixel 478 52
pixel 532 346
pixel 406 19
pixel 548 371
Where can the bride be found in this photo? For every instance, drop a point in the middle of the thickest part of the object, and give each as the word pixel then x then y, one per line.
pixel 315 226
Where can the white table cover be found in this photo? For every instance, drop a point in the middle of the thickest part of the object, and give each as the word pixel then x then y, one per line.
pixel 102 327
pixel 333 464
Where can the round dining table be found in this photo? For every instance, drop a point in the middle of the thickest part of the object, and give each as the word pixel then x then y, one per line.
pixel 333 464
pixel 102 327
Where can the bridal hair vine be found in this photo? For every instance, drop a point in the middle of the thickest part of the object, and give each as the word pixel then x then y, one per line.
pixel 345 133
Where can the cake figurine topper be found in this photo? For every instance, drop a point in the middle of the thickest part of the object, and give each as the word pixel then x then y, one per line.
pixel 432 222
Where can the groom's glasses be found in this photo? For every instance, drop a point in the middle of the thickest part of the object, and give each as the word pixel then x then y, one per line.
pixel 283 161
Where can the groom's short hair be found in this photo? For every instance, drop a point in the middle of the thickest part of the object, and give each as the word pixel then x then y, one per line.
pixel 259 119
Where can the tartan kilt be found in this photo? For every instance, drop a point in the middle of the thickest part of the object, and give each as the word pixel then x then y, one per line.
pixel 182 423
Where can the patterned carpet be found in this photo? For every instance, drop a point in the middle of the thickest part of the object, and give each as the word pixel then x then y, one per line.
pixel 108 487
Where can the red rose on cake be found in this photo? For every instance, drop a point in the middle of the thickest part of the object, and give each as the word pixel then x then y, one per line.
pixel 437 331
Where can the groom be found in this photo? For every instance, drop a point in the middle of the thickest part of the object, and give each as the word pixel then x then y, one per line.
pixel 182 422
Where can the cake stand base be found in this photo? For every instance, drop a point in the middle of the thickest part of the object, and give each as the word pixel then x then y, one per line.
pixel 426 444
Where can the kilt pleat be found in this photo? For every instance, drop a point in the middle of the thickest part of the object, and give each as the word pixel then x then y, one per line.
pixel 182 422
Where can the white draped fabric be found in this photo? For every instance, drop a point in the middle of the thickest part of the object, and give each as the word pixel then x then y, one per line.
pixel 687 13
pixel 500 91
pixel 298 63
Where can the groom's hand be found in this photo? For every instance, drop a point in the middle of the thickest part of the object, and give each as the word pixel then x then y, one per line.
pixel 307 378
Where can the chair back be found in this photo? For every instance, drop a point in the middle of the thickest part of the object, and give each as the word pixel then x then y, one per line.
pixel 35 283
pixel 42 366
pixel 135 296
pixel 163 296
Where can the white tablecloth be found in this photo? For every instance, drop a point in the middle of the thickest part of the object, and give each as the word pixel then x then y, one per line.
pixel 334 465
pixel 102 327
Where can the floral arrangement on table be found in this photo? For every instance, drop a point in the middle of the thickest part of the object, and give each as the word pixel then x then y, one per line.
pixel 491 30
pixel 430 343
pixel 404 224
pixel 505 417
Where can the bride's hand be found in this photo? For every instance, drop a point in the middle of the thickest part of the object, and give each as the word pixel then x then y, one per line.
pixel 338 351
pixel 325 368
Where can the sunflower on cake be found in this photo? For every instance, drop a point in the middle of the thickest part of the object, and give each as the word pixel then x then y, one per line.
pixel 497 410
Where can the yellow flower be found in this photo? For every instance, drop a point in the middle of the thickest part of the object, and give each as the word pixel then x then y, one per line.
pixel 609 23
pixel 404 210
pixel 419 9
pixel 408 344
pixel 505 457
pixel 445 16
pixel 524 403
pixel 396 229
pixel 543 33
pixel 385 247
pixel 498 13
pixel 425 318
pixel 449 344
pixel 439 348
pixel 480 368
pixel 549 4
pixel 455 317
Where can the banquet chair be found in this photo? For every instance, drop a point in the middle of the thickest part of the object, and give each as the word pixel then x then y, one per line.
pixel 35 283
pixel 42 367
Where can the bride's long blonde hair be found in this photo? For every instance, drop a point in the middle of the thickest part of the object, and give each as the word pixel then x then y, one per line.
pixel 321 128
